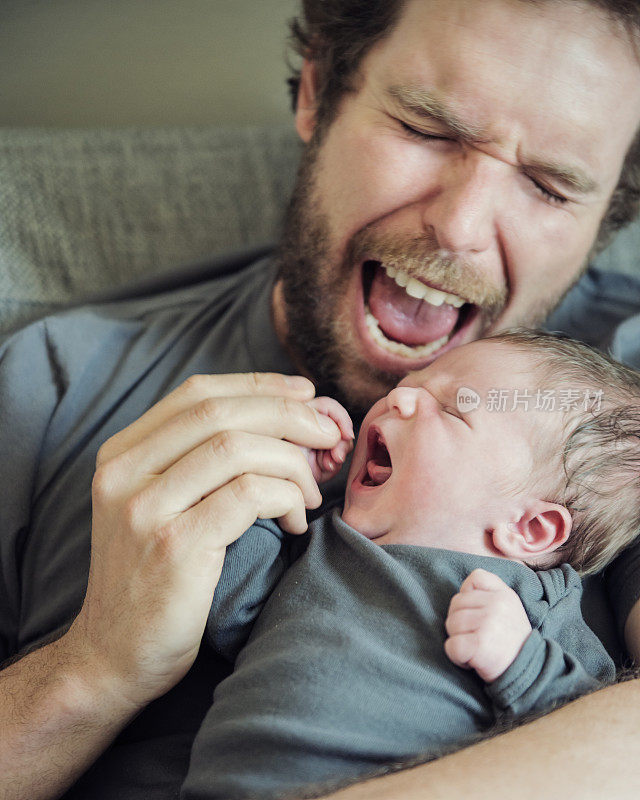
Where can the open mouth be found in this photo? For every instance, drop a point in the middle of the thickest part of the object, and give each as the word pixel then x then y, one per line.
pixel 378 466
pixel 406 317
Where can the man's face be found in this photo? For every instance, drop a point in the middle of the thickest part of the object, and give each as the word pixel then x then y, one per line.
pixel 477 156
pixel 425 472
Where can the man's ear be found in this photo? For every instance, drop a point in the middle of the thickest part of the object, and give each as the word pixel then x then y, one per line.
pixel 541 528
pixel 306 105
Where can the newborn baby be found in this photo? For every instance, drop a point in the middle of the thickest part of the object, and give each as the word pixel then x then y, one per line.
pixel 442 597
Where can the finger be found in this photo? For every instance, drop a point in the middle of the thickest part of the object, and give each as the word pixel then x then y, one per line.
pixel 473 598
pixel 337 412
pixel 223 516
pixel 340 452
pixel 461 649
pixel 483 580
pixel 223 458
pixel 464 621
pixel 329 464
pixel 277 417
pixel 201 387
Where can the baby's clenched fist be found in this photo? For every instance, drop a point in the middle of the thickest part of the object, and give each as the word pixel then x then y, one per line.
pixel 486 625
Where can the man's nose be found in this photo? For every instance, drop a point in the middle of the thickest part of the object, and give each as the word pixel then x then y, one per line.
pixel 403 400
pixel 462 212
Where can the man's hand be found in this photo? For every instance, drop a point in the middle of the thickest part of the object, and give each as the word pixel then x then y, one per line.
pixel 170 492
pixel 487 625
pixel 327 463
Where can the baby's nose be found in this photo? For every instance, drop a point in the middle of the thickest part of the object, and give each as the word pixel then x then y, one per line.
pixel 404 400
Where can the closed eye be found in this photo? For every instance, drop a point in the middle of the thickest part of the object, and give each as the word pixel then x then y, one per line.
pixel 456 414
pixel 549 196
pixel 423 135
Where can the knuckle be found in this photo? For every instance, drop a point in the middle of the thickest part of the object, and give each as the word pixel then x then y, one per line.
pixel 107 478
pixel 287 408
pixel 165 542
pixel 225 445
pixel 195 386
pixel 135 512
pixel 245 487
pixel 256 381
pixel 102 484
pixel 204 412
pixel 110 449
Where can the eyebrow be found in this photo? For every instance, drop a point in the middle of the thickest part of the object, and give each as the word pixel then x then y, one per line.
pixel 427 105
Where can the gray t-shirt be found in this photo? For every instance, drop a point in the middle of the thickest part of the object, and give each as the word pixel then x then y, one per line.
pixel 70 382
pixel 344 669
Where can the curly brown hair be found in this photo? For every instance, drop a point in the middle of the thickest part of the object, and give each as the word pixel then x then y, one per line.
pixel 337 34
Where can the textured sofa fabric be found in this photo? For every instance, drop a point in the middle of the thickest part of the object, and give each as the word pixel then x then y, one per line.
pixel 82 212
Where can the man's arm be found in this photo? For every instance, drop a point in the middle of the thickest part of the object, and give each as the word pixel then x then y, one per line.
pixel 171 491
pixel 585 749
pixel 59 712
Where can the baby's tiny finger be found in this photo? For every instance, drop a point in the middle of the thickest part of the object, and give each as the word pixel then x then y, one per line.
pixel 328 462
pixel 463 621
pixel 340 452
pixel 482 580
pixel 473 598
pixel 460 649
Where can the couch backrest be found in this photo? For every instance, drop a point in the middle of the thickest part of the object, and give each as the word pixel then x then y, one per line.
pixel 82 212
pixel 85 211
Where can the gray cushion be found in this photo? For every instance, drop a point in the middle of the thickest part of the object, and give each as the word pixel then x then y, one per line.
pixel 84 211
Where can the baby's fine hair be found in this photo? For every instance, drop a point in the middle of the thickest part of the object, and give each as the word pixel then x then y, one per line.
pixel 600 486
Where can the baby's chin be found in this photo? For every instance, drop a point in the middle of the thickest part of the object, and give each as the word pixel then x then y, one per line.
pixel 359 520
pixel 356 519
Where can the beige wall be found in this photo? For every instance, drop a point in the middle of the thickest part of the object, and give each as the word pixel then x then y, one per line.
pixel 73 63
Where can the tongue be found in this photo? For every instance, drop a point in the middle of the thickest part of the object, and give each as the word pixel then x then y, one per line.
pixel 406 319
pixel 378 473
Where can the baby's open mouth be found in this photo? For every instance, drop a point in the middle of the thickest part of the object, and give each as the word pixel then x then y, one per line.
pixel 405 316
pixel 378 466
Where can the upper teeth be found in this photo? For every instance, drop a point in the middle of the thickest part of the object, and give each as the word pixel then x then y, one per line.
pixel 419 290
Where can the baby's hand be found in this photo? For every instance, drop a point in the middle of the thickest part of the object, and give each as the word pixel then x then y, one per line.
pixel 487 625
pixel 326 463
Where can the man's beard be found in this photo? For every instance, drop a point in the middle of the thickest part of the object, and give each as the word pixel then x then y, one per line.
pixel 319 339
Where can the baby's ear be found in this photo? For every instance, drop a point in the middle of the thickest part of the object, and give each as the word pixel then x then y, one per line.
pixel 541 528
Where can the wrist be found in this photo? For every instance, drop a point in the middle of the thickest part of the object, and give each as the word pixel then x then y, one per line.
pixel 56 720
pixel 90 685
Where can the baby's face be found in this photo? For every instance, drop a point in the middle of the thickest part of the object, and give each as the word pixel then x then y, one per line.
pixel 425 472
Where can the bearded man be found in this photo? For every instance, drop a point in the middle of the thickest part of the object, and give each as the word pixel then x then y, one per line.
pixel 462 162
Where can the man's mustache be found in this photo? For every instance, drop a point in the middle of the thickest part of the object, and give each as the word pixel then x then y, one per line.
pixel 422 258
